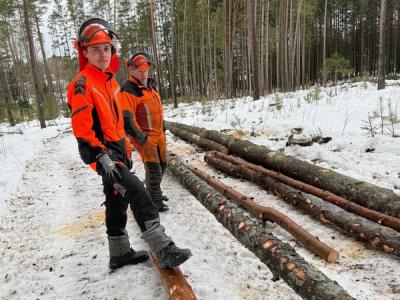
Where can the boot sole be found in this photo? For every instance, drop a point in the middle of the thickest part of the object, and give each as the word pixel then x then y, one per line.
pixel 176 264
pixel 138 260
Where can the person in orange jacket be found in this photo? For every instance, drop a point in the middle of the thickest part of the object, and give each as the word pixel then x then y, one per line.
pixel 143 116
pixel 98 126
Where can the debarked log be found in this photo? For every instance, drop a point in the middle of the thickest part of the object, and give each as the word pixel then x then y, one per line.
pixel 372 239
pixel 272 215
pixel 175 284
pixel 198 140
pixel 352 207
pixel 358 191
pixel 280 257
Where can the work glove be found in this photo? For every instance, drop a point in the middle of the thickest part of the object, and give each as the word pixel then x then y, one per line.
pixel 110 167
pixel 142 138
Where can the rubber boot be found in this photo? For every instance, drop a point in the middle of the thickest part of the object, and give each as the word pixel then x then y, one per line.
pixel 122 254
pixel 165 250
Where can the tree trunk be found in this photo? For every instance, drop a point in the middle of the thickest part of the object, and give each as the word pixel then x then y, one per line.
pixel 173 56
pixel 227 48
pixel 7 98
pixel 280 257
pixel 352 207
pixel 175 284
pixel 324 44
pixel 194 138
pixel 272 215
pixel 153 24
pixel 32 61
pixel 361 192
pixel 253 45
pixel 372 235
pixel 381 63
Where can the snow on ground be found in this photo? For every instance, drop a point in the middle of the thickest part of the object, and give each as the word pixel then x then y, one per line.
pixel 17 146
pixel 53 241
pixel 52 233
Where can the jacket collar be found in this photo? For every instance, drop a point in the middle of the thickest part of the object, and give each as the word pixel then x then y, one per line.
pixel 136 82
pixel 98 74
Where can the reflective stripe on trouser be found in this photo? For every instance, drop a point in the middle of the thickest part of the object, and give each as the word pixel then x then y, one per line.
pixel 136 196
pixel 119 245
pixel 155 236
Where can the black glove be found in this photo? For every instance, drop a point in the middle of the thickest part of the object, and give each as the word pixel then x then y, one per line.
pixel 109 167
pixel 142 138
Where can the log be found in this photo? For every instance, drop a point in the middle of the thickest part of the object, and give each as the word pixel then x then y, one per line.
pixel 272 215
pixel 194 138
pixel 360 192
pixel 280 257
pixel 174 282
pixel 362 232
pixel 352 207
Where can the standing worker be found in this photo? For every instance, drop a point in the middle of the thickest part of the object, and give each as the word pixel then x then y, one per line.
pixel 143 116
pixel 98 126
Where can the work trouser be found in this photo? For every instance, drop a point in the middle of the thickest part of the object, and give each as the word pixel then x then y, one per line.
pixel 154 157
pixel 136 196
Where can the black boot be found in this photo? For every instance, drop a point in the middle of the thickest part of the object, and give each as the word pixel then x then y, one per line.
pixel 122 254
pixel 162 206
pixel 172 256
pixel 131 258
pixel 164 198
pixel 168 255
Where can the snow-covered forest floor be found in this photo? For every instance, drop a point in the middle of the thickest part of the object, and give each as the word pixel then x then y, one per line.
pixel 52 233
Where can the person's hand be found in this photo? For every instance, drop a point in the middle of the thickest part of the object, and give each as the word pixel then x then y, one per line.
pixel 142 138
pixel 109 166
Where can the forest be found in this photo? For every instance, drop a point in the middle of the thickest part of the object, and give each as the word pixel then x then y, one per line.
pixel 203 49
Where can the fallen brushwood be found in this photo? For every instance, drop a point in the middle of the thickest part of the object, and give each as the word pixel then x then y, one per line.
pixel 360 192
pixel 272 215
pixel 194 138
pixel 174 281
pixel 280 257
pixel 352 207
pixel 353 228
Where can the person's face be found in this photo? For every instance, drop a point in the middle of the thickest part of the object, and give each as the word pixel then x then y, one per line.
pixel 141 74
pixel 99 55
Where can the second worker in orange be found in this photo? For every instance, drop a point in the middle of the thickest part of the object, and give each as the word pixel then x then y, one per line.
pixel 143 117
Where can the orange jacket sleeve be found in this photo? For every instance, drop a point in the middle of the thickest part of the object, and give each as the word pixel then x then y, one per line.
pixel 81 104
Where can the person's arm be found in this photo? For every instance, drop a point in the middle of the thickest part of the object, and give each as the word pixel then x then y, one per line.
pixel 81 104
pixel 132 128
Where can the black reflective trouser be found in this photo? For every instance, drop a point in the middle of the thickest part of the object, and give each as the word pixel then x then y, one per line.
pixel 154 174
pixel 136 196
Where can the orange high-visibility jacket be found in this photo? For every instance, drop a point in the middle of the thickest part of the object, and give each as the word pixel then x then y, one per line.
pixel 143 113
pixel 97 121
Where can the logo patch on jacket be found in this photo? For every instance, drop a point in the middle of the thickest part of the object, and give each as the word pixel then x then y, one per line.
pixel 80 86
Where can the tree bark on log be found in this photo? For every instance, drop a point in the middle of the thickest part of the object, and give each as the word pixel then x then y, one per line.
pixel 174 281
pixel 352 207
pixel 360 192
pixel 272 215
pixel 280 257
pixel 369 236
pixel 198 140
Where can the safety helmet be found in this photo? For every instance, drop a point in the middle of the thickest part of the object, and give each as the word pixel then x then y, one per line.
pixel 140 60
pixel 96 31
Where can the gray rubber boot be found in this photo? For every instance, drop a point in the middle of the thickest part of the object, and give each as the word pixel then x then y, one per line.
pixel 163 247
pixel 122 254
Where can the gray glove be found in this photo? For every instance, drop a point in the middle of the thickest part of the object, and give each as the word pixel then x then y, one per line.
pixel 142 138
pixel 109 166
